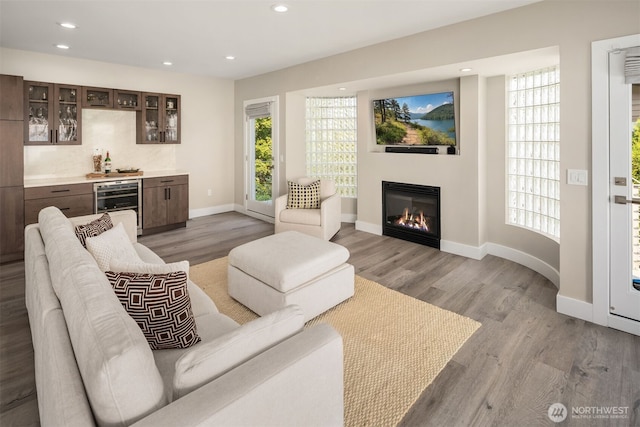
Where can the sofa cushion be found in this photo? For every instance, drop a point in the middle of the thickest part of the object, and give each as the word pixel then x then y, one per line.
pixel 160 305
pixel 111 245
pixel 303 196
pixel 119 266
pixel 209 360
pixel 117 366
pixel 93 228
pixel 210 327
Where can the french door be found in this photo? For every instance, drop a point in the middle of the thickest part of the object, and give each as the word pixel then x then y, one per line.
pixel 261 142
pixel 624 189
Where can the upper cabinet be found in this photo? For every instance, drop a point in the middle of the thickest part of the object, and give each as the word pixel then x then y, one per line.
pixel 95 97
pixel 158 120
pixel 53 114
pixel 126 100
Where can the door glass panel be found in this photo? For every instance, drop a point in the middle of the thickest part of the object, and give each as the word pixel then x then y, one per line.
pixel 635 178
pixel 262 160
pixel 151 118
pixel 38 112
pixel 67 114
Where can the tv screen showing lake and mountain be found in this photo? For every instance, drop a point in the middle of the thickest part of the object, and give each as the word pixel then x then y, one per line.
pixel 416 120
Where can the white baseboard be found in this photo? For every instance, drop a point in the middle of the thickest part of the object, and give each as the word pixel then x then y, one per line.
pixel 468 251
pixel 525 259
pixel 574 308
pixel 212 210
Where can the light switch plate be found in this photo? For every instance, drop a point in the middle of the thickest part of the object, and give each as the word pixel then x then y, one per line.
pixel 577 177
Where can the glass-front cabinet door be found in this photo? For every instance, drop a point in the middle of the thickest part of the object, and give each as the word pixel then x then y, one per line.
pixel 53 114
pixel 148 127
pixel 159 119
pixel 171 120
pixel 67 111
pixel 38 114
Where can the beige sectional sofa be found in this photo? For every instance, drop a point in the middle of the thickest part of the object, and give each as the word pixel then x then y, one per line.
pixel 94 366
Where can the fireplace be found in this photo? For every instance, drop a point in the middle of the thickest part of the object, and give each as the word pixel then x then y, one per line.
pixel 411 212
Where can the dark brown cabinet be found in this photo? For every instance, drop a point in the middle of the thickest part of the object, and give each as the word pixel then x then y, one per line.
pixel 126 100
pixel 53 114
pixel 158 120
pixel 95 97
pixel 165 203
pixel 72 200
pixel 11 169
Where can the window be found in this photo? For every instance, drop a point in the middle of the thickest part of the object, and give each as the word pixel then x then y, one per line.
pixel 331 138
pixel 533 151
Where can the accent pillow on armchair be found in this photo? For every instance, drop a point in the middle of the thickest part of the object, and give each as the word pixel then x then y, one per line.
pixel 294 211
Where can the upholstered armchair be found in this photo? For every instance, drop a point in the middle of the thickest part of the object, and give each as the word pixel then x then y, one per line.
pixel 323 222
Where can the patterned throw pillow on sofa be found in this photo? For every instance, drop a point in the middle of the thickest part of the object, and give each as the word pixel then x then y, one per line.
pixel 303 196
pixel 94 228
pixel 160 305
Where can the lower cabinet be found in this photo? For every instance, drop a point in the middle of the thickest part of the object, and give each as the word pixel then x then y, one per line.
pixel 11 223
pixel 72 200
pixel 165 203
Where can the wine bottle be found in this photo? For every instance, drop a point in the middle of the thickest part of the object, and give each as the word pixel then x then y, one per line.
pixel 107 163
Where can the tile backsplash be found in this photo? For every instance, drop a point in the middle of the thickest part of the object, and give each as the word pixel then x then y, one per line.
pixel 106 130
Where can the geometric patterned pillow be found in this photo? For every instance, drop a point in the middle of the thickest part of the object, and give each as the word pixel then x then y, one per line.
pixel 94 228
pixel 303 196
pixel 160 305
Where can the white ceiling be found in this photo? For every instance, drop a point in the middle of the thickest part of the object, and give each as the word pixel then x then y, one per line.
pixel 197 35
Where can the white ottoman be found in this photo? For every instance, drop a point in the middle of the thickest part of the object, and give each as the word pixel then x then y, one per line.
pixel 290 268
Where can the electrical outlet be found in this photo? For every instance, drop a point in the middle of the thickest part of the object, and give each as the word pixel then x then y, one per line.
pixel 209 192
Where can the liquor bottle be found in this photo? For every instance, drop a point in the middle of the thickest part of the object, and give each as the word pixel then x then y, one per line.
pixel 107 163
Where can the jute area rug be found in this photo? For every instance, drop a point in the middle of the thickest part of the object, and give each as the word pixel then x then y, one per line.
pixel 394 345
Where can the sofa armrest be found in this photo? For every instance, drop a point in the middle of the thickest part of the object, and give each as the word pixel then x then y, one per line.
pixel 299 382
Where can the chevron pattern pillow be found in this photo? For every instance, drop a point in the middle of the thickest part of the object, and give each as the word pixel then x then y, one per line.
pixel 94 228
pixel 160 305
pixel 303 196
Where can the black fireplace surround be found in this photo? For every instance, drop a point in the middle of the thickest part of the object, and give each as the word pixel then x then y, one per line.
pixel 411 212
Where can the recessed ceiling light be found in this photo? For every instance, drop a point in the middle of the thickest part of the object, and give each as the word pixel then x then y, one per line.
pixel 167 63
pixel 465 70
pixel 280 7
pixel 68 25
pixel 62 46
pixel 230 57
pixel 342 88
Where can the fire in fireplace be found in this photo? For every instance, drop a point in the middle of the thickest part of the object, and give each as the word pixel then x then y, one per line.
pixel 411 212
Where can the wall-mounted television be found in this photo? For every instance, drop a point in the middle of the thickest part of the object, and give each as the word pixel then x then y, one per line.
pixel 416 121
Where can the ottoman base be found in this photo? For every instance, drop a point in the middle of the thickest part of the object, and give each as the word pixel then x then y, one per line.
pixel 315 296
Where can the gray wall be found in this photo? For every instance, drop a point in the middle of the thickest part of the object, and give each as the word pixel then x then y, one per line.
pixel 569 25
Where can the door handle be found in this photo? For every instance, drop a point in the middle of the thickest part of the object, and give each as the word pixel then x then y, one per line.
pixel 622 200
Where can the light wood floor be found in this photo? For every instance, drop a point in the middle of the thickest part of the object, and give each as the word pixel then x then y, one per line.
pixel 524 358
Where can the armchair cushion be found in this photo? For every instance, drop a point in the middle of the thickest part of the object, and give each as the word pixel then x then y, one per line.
pixel 301 216
pixel 303 196
pixel 208 361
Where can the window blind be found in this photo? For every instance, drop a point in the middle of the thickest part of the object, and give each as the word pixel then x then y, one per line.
pixel 258 110
pixel 632 65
